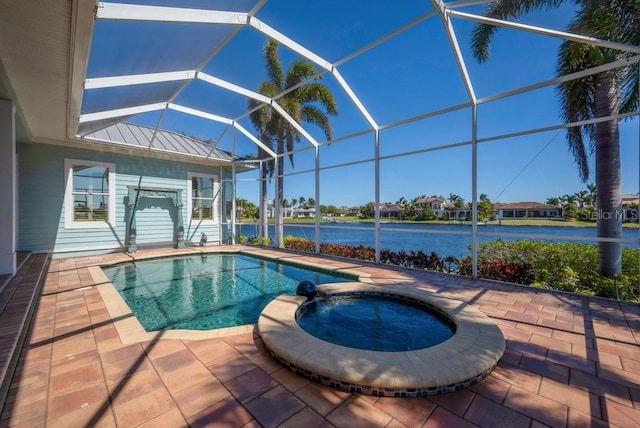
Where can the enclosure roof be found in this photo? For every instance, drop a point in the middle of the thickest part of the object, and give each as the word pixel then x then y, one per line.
pixel 194 64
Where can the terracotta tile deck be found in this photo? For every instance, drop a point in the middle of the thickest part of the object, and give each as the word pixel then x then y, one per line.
pixel 570 361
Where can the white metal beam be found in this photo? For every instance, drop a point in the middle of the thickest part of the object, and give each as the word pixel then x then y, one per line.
pixel 354 98
pixel 566 78
pixel 128 111
pixel 544 31
pixel 138 79
pixel 290 43
pixel 200 113
pixel 293 123
pixel 254 139
pixel 463 3
pixel 455 48
pixel 134 12
pixel 232 87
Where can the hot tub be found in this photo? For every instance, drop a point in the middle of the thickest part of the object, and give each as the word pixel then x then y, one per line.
pixel 466 358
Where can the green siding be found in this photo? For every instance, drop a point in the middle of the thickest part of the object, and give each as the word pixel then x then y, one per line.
pixel 41 201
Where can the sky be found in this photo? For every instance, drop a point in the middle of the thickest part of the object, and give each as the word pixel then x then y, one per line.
pixel 411 74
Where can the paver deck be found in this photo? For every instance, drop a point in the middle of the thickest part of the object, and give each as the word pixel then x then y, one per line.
pixel 570 361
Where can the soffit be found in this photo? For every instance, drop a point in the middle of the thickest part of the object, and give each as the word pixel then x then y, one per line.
pixel 34 50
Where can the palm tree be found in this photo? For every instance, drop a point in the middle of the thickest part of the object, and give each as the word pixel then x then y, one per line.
pixel 302 202
pixel 569 199
pixel 601 95
pixel 592 193
pixel 581 198
pixel 553 201
pixel 310 103
pixel 261 120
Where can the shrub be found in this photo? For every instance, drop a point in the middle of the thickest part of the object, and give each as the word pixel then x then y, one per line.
pixel 242 239
pixel 257 240
pixel 558 266
pixel 567 266
pixel 510 271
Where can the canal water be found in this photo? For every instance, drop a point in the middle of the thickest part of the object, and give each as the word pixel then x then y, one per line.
pixel 445 240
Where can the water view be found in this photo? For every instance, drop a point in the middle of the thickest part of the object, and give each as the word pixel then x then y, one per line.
pixel 445 240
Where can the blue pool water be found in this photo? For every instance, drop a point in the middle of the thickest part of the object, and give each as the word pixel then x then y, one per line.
pixel 375 323
pixel 206 292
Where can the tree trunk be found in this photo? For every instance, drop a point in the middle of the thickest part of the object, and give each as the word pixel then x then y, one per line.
pixel 279 197
pixel 608 181
pixel 264 220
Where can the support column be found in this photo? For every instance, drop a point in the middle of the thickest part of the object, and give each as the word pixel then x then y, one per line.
pixel 8 188
pixel 131 220
pixel 180 243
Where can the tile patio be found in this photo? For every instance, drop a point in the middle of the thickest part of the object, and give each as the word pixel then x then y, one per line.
pixel 570 361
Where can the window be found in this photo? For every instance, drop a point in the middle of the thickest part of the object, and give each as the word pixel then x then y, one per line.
pixel 203 200
pixel 89 194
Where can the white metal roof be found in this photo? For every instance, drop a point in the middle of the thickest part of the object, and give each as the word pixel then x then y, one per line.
pixel 163 141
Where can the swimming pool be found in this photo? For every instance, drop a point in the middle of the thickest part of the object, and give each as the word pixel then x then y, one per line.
pixel 206 291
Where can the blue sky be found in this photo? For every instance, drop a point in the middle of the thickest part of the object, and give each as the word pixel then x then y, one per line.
pixel 410 74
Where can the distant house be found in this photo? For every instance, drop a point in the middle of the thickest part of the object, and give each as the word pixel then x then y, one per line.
pixel 392 211
pixel 304 213
pixel 353 211
pixel 526 210
pixel 291 212
pixel 437 205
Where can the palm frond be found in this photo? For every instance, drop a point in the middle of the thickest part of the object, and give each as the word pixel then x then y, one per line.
pixel 482 34
pixel 274 66
pixel 314 115
pixel 298 72
pixel 317 92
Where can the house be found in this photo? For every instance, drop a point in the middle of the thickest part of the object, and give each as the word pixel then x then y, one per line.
pixel 392 211
pixel 526 210
pixel 437 205
pixel 120 195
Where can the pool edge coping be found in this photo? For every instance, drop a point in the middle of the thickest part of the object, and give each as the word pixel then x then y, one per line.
pixel 465 359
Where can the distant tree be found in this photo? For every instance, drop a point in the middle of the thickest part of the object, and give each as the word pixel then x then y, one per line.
pixel 581 198
pixel 456 200
pixel 485 208
pixel 569 200
pixel 592 193
pixel 553 201
pixel 569 211
pixel 368 210
pixel 294 202
pixel 302 202
pixel 311 202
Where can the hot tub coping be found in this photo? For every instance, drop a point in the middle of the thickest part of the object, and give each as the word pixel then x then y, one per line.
pixel 463 360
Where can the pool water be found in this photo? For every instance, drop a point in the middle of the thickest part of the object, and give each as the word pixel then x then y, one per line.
pixel 374 323
pixel 206 292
